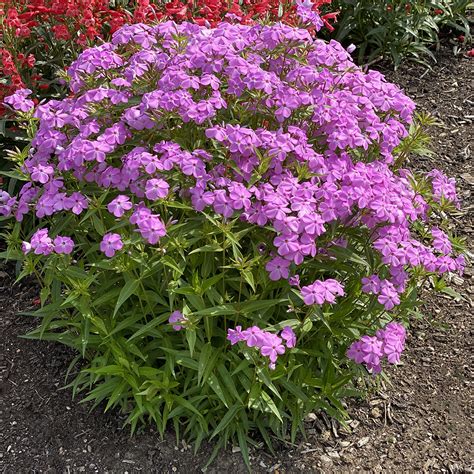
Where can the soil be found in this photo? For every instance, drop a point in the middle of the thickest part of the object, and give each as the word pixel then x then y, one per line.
pixel 421 422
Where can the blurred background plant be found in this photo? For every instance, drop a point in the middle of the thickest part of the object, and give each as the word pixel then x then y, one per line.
pixel 398 29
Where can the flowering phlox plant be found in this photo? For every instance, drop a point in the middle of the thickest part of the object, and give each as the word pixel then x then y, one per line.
pixel 221 216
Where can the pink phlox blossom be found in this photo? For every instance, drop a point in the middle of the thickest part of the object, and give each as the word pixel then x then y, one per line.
pixel 111 243
pixel 177 317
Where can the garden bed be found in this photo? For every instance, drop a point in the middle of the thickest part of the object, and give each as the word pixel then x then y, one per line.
pixel 422 422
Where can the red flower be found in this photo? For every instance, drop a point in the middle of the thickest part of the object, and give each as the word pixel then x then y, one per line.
pixel 61 32
pixel 23 32
pixel 330 16
pixel 30 60
pixel 470 53
pixel 176 9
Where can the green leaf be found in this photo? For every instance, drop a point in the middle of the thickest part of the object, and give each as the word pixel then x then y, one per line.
pixel 221 310
pixel 263 375
pixel 208 248
pixel 258 305
pixel 218 390
pixel 126 323
pixel 14 175
pixel 128 290
pixel 271 404
pixel 243 446
pixel 349 254
pixel 185 404
pixel 206 362
pixel 229 382
pixel 98 225
pixel 226 420
pixel 147 328
pixel 210 282
pixel 254 394
pixel 246 307
pixel 452 293
pixel 248 277
pixel 191 338
pixel 170 262
pixel 265 435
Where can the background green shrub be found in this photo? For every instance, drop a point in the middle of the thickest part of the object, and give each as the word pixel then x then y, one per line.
pixel 398 30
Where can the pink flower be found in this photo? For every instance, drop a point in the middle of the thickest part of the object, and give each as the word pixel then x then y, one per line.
pixel 41 173
pixel 388 295
pixel 26 247
pixel 369 350
pixel 235 335
pixel 110 244
pixel 76 202
pixel 294 281
pixel 177 317
pixel 63 245
pixel 156 189
pixel 272 347
pixel 253 336
pixel 119 206
pixel 322 291
pixel 313 294
pixel 41 243
pixel 371 284
pixel 355 352
pixel 289 336
pixel 278 268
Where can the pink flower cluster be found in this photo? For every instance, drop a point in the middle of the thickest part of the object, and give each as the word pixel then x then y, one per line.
pixel 42 244
pixel 7 203
pixel 443 187
pixel 270 345
pixel 149 225
pixel 370 350
pixel 387 293
pixel 19 100
pixel 322 292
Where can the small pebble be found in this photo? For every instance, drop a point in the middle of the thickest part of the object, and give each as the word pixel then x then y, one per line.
pixel 375 412
pixel 363 441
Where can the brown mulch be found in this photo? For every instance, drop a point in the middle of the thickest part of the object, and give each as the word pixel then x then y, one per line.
pixel 421 422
